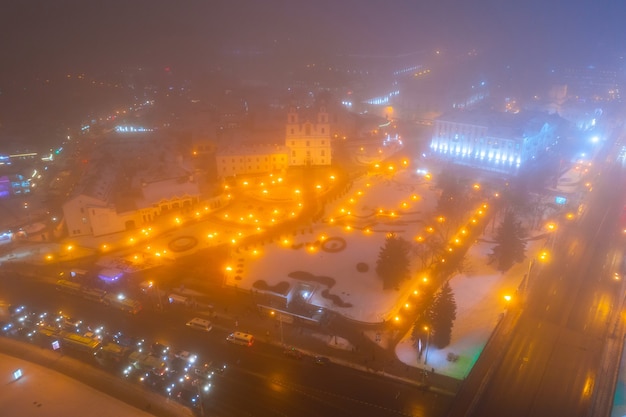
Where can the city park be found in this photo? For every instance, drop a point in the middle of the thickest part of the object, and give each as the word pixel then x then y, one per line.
pixel 329 262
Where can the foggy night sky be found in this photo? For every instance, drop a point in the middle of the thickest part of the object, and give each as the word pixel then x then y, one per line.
pixel 44 40
pixel 59 35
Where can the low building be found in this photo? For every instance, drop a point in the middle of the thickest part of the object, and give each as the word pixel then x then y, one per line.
pixel 251 160
pixel 109 201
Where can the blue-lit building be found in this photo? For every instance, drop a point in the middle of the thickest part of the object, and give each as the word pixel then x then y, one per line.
pixel 493 141
pixel 14 184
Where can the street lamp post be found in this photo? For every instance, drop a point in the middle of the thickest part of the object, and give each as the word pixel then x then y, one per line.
pixel 552 227
pixel 507 299
pixel 427 344
pixel 280 320
pixel 158 294
pixel 528 272
pixel 201 398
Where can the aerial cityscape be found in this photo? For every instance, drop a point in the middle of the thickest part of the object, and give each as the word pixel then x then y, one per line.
pixel 312 208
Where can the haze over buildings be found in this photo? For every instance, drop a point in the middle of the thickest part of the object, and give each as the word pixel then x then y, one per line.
pixel 254 144
pixel 90 55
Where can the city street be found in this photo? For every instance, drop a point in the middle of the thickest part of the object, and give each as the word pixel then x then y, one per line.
pixel 262 374
pixel 559 334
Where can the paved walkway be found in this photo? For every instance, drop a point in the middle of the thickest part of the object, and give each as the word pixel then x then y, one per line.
pixel 55 385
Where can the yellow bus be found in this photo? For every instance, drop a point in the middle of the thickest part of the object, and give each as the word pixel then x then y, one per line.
pixel 80 343
pixel 123 303
pixel 69 286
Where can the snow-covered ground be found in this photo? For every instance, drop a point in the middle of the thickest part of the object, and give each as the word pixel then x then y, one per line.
pixel 375 206
pixel 479 294
pixel 352 231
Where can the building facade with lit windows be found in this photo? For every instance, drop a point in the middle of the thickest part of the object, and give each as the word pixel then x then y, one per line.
pixel 501 142
pixel 109 199
pixel 87 214
pixel 251 160
pixel 307 143
pixel 308 138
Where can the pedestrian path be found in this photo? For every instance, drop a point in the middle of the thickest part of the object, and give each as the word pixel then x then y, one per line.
pixel 55 385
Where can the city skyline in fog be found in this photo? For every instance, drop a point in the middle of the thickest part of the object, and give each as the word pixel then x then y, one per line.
pixel 58 36
pixel 518 44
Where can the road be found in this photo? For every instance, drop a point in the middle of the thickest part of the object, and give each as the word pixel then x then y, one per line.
pixel 550 365
pixel 259 380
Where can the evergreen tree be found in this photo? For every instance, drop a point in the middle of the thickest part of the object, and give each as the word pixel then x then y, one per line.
pixel 440 317
pixel 452 203
pixel 510 245
pixel 392 265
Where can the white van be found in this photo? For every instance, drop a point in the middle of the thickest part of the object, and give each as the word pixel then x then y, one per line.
pixel 177 299
pixel 200 324
pixel 240 338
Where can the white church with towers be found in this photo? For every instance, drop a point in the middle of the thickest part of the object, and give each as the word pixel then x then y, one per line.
pixel 307 137
pixel 307 143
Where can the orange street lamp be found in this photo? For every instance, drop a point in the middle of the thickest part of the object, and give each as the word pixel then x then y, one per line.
pixel 428 332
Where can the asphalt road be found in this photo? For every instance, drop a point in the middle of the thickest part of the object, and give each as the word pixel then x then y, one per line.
pixel 260 380
pixel 551 363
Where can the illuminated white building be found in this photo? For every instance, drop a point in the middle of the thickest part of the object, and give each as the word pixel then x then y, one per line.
pixel 493 141
pixel 308 138
pixel 307 142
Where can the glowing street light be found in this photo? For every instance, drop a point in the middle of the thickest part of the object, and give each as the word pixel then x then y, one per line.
pixel 428 332
pixel 280 319
pixel 551 226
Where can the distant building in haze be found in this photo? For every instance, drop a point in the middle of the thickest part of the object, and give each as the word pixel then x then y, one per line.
pixel 501 142
pixel 130 186
pixel 592 84
pixel 251 160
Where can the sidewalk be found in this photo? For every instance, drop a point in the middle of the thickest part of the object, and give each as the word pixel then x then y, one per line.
pixel 56 385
